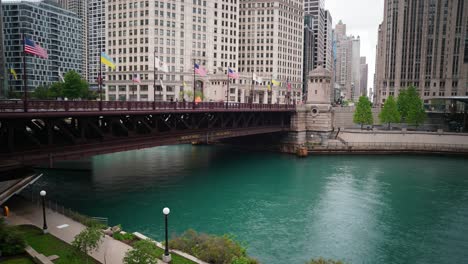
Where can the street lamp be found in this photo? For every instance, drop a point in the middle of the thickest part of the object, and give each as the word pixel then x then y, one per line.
pixel 44 228
pixel 166 256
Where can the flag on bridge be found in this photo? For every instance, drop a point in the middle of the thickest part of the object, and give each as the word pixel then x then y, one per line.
pixel 13 74
pixel 136 78
pixel 232 74
pixel 199 70
pixel 275 82
pixel 256 78
pixel 31 47
pixel 288 84
pixel 106 60
pixel 160 65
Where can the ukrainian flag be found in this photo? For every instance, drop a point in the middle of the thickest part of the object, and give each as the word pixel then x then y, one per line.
pixel 105 59
pixel 275 82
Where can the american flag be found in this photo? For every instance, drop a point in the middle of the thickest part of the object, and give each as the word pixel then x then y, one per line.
pixel 136 78
pixel 35 49
pixel 200 70
pixel 289 85
pixel 232 74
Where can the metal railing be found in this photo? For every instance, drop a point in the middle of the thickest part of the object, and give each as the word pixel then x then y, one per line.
pixel 392 146
pixel 86 106
pixel 32 194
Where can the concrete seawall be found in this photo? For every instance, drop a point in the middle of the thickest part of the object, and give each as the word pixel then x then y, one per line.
pixel 357 141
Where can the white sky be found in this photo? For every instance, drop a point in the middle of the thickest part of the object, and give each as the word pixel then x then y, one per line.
pixel 362 18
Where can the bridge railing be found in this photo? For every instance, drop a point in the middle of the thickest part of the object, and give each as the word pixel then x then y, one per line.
pixel 85 106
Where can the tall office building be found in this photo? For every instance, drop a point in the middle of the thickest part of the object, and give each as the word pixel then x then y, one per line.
pixel 309 42
pixel 3 67
pixel 50 26
pixel 348 63
pixel 80 7
pixel 424 43
pixel 323 49
pixel 271 44
pixel 364 75
pixel 178 34
pixel 356 69
pixel 96 37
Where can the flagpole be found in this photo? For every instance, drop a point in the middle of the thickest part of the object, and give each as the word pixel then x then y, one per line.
pixel 154 77
pixel 25 77
pixel 100 79
pixel 227 90
pixel 193 102
pixel 133 87
pixel 251 88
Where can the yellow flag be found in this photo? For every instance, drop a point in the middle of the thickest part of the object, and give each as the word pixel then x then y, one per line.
pixel 275 82
pixel 185 84
pixel 269 87
pixel 13 72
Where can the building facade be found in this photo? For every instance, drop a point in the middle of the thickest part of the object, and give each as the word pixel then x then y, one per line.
pixel 309 42
pixel 271 45
pixel 3 67
pixel 356 69
pixel 179 34
pixel 50 26
pixel 364 68
pixel 323 33
pixel 423 43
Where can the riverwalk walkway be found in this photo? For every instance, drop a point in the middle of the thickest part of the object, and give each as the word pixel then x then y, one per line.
pixel 23 212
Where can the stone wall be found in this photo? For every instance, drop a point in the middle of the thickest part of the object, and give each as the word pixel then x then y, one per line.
pixel 343 117
pixel 434 138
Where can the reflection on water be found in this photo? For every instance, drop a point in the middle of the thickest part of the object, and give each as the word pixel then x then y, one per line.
pixel 362 209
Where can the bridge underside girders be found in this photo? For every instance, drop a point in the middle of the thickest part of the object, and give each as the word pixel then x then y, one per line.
pixel 47 134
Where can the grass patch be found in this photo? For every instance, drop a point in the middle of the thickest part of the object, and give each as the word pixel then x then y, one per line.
pixel 18 260
pixel 176 259
pixel 50 245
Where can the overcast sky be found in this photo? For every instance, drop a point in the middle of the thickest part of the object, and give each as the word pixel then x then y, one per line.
pixel 362 18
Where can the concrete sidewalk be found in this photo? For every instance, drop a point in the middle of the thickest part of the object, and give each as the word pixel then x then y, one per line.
pixel 24 212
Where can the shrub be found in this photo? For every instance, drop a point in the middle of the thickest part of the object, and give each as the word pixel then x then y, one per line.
pixel 324 261
pixel 143 252
pixel 123 237
pixel 88 240
pixel 212 249
pixel 11 240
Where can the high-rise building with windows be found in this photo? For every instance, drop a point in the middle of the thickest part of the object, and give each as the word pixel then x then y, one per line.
pixel 53 28
pixel 3 67
pixel 423 43
pixel 356 69
pixel 309 42
pixel 323 31
pixel 271 45
pixel 96 37
pixel 179 34
pixel 364 75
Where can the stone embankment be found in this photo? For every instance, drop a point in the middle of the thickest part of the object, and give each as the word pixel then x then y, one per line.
pixel 364 142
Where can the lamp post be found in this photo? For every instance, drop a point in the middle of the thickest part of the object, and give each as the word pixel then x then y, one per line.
pixel 44 228
pixel 166 256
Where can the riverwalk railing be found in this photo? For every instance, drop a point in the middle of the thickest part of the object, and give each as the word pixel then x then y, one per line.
pixel 392 146
pixel 32 195
pixel 90 106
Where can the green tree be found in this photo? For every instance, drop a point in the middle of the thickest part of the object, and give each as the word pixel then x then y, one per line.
pixel 74 87
pixel 11 240
pixel 324 261
pixel 416 112
pixel 41 93
pixel 390 112
pixel 88 240
pixel 363 113
pixel 143 252
pixel 403 103
pixel 56 90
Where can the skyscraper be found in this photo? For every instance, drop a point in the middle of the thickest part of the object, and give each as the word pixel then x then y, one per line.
pixel 96 37
pixel 3 67
pixel 50 26
pixel 348 63
pixel 364 75
pixel 309 42
pixel 178 34
pixel 271 42
pixel 423 43
pixel 322 32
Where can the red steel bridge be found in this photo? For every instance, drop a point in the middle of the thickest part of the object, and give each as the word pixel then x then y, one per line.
pixel 43 131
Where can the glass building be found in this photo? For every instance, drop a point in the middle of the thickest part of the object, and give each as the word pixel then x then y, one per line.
pixel 55 29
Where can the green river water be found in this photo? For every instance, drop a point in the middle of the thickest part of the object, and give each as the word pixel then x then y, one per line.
pixel 360 209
